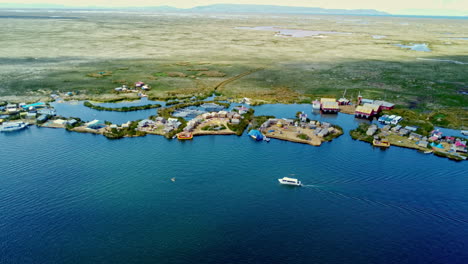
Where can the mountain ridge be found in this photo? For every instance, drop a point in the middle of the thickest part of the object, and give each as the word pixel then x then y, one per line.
pixel 215 8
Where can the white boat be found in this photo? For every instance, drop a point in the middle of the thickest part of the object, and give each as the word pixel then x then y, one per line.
pixel 316 105
pixel 464 132
pixel 12 126
pixel 290 181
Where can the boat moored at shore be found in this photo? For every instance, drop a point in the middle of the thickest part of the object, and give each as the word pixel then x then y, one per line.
pixel 381 143
pixel 184 136
pixel 12 126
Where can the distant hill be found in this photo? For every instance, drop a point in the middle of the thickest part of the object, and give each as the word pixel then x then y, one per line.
pixel 217 8
pixel 272 9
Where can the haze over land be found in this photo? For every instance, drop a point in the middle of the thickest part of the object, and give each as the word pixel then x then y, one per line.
pixel 416 7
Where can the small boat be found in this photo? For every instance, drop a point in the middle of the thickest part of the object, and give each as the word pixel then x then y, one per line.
pixel 184 136
pixel 428 151
pixel 464 132
pixel 381 143
pixel 316 105
pixel 173 179
pixel 12 126
pixel 290 181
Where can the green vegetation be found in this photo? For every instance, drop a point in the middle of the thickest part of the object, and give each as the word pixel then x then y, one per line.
pixel 331 136
pixel 244 122
pixel 77 124
pixel 121 109
pixel 360 133
pixel 282 70
pixel 303 136
pixel 213 127
pixel 413 118
pixel 178 130
pixel 166 112
pixel 131 131
pixel 257 121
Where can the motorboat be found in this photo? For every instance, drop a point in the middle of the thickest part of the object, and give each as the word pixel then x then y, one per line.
pixel 184 136
pixel 290 181
pixel 12 126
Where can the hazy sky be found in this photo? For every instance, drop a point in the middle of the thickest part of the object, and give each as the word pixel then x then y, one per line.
pixel 392 6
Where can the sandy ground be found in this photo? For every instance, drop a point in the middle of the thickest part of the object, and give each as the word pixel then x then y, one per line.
pixel 215 122
pixel 347 109
pixel 84 129
pixel 290 134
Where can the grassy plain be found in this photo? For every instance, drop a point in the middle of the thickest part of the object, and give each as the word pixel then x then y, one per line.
pixel 182 55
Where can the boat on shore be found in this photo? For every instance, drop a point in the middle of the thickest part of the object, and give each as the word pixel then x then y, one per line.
pixel 184 136
pixel 464 132
pixel 12 126
pixel 428 151
pixel 383 143
pixel 290 181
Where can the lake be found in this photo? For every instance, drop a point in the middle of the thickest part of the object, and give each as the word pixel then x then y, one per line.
pixel 81 198
pixel 416 47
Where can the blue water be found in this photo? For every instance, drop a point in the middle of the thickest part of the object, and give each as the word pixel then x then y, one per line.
pixel 416 47
pixel 77 109
pixel 79 198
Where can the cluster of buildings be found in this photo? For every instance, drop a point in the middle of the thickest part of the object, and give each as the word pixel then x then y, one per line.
pixel 326 105
pixel 318 129
pixel 231 117
pixel 37 111
pixel 436 139
pixel 137 88
pixel 167 125
pixel 368 108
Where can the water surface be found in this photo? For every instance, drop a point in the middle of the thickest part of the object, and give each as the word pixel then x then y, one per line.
pixel 79 198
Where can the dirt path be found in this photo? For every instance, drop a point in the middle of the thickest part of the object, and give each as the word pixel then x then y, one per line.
pixel 223 83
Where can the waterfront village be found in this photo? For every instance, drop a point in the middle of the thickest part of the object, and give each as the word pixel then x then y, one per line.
pixel 184 120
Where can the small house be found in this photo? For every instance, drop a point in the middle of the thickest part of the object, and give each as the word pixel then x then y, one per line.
pixel 42 118
pixel 383 105
pixel 423 143
pixel 47 111
pixel 11 108
pixel 396 128
pixel 160 119
pixel 367 101
pixel 95 124
pixel 30 115
pixel 71 122
pixel 411 128
pixel 329 105
pixel 222 114
pixel 343 101
pixel 371 130
pixel 235 121
pixel 139 84
pixel 415 136
pixel 126 125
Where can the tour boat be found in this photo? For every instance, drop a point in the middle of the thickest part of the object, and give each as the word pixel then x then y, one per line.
pixel 12 126
pixel 381 143
pixel 184 136
pixel 290 181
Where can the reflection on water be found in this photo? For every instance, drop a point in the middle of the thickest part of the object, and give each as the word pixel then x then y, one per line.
pixel 416 47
